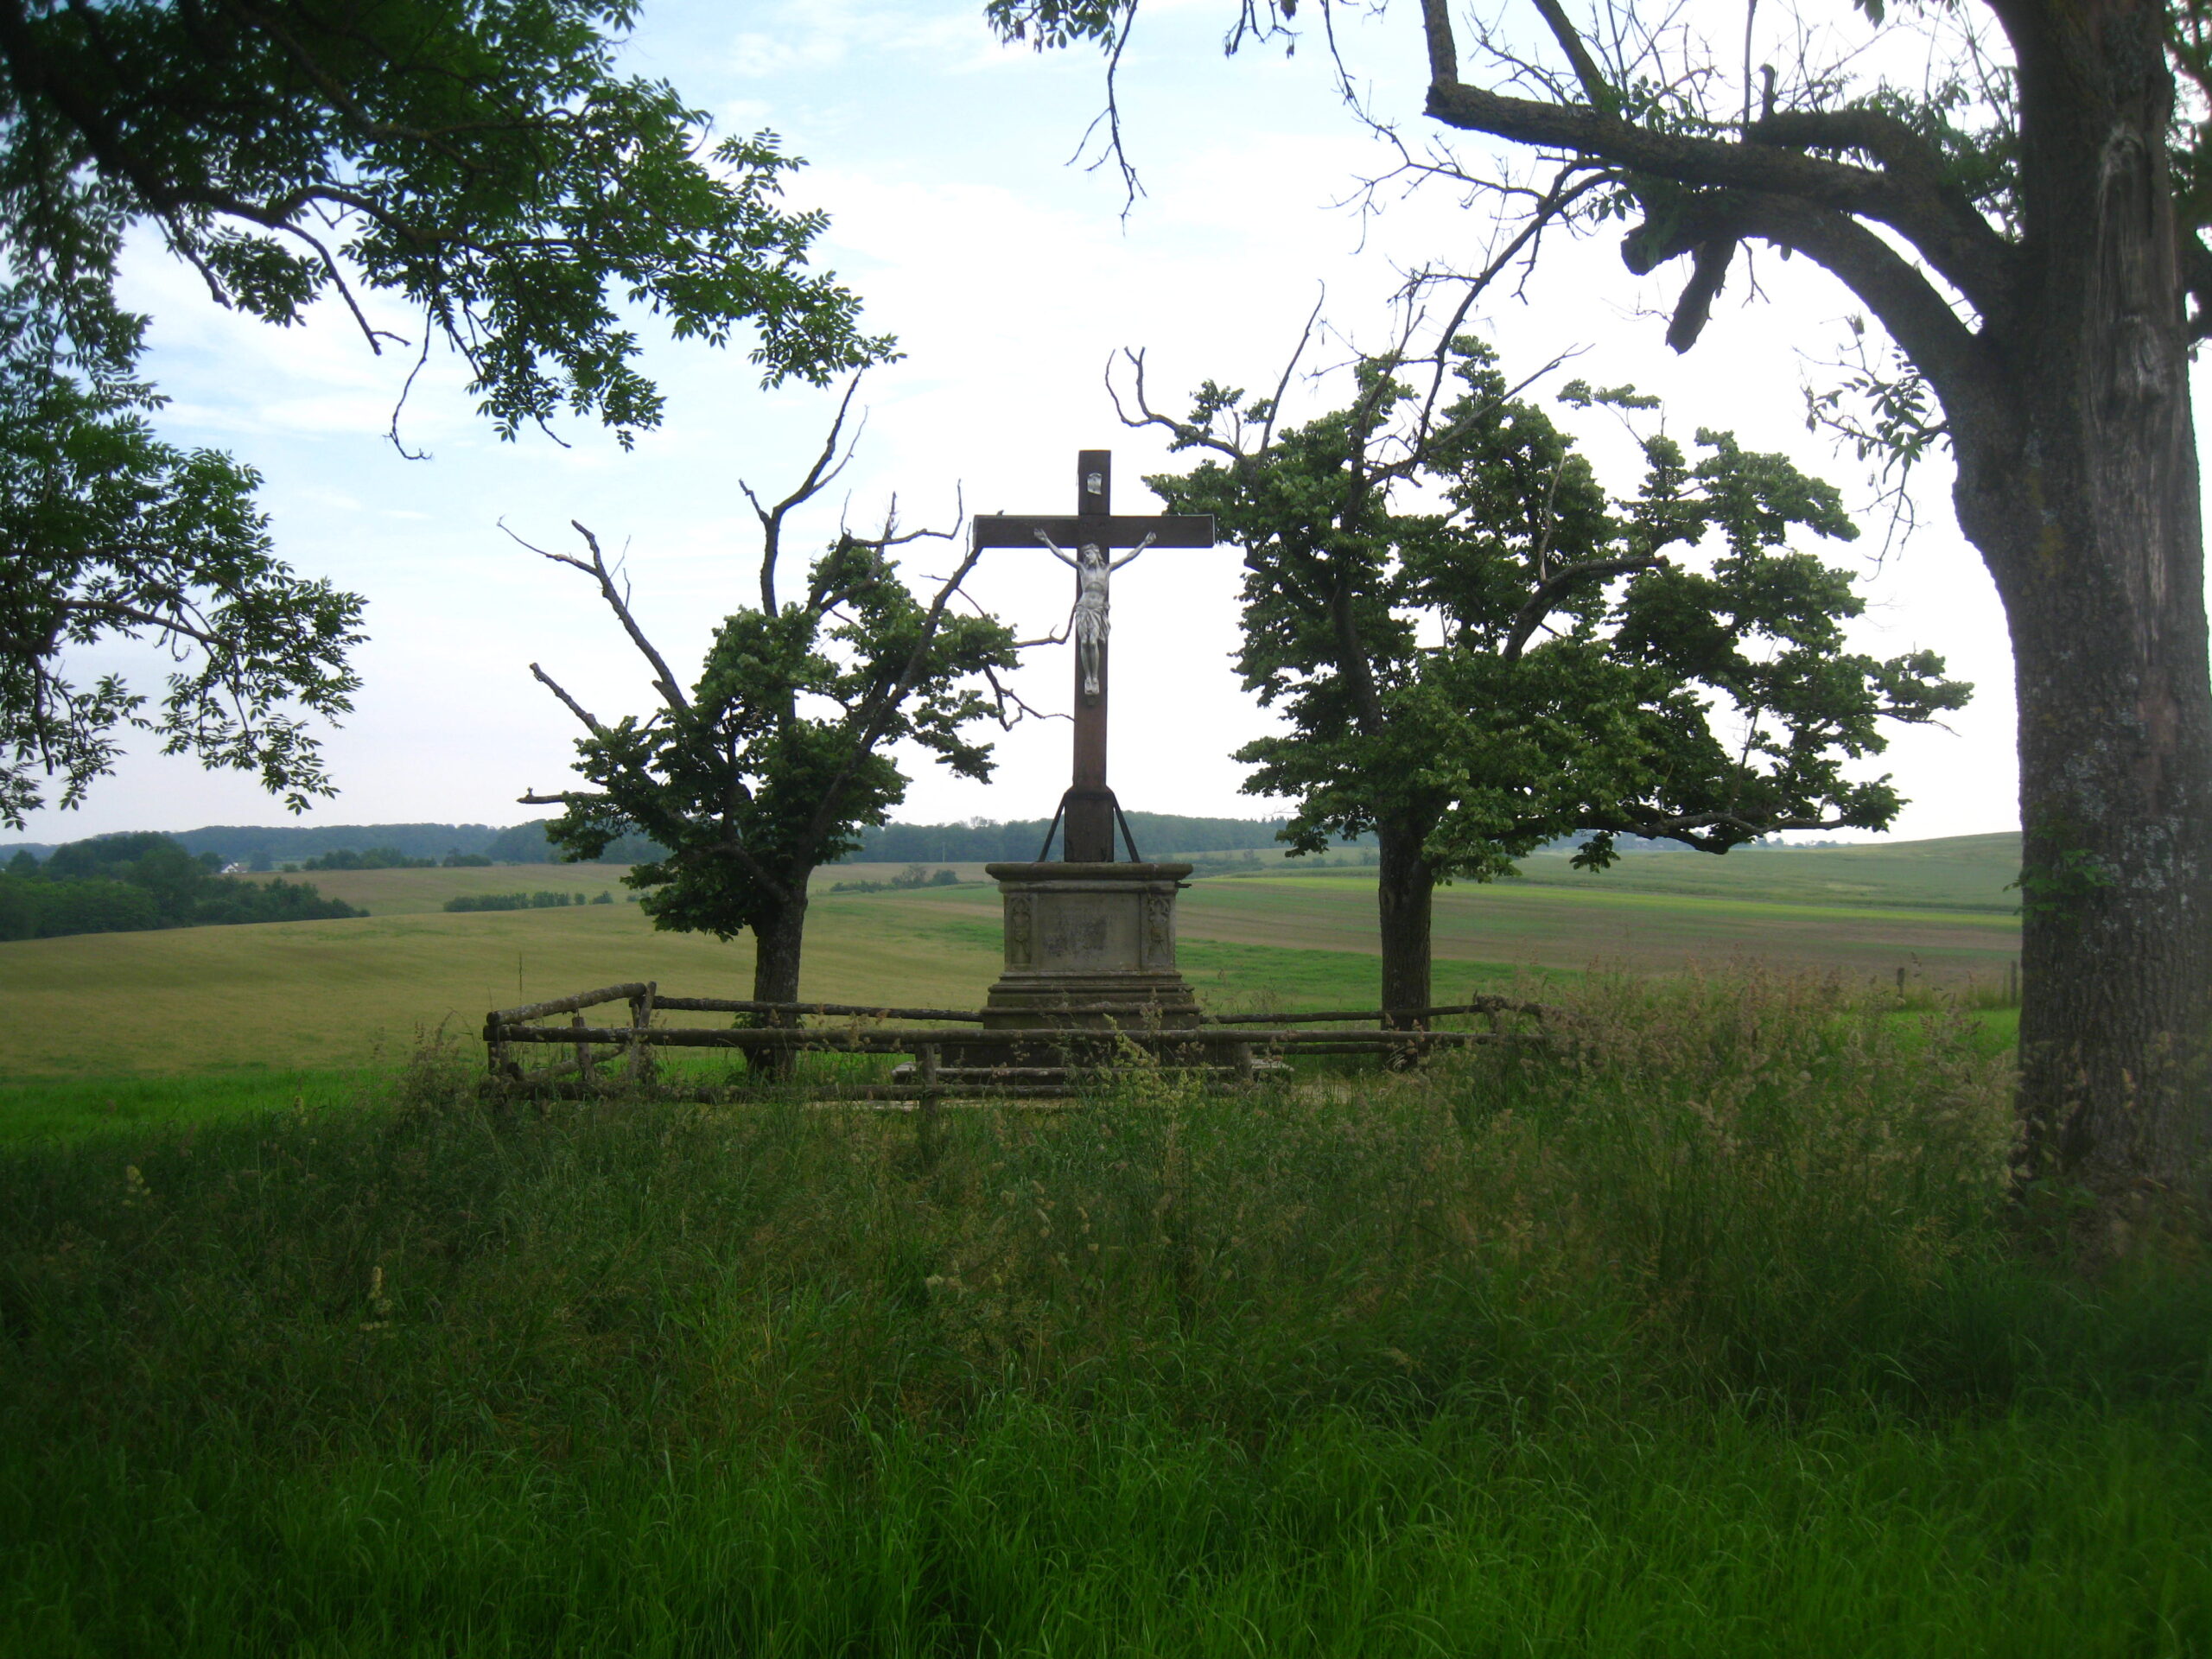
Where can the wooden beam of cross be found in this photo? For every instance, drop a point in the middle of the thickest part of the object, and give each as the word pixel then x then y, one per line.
pixel 1086 541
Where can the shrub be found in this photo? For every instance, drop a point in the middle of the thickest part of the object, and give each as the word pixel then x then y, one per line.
pixel 374 858
pixel 541 900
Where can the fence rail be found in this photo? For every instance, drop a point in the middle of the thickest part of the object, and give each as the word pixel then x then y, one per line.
pixel 1392 1017
pixel 947 1064
pixel 894 1040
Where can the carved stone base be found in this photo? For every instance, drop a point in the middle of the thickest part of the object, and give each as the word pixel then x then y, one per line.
pixel 1089 944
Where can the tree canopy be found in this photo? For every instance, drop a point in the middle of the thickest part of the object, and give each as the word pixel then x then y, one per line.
pixel 484 162
pixel 1480 650
pixel 778 755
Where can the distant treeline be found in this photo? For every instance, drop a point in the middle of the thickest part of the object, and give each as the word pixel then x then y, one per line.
pixel 906 881
pixel 390 858
pixel 981 840
pixel 524 900
pixel 418 845
pixel 136 883
pixel 272 847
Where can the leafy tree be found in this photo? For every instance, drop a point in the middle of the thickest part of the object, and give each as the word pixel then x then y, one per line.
pixel 777 759
pixel 1480 651
pixel 112 533
pixel 481 160
pixel 2025 215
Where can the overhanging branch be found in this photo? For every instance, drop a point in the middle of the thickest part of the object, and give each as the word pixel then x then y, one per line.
pixel 1908 304
pixel 1905 193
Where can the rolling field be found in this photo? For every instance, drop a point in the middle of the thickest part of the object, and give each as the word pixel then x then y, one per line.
pixel 411 892
pixel 416 892
pixel 1957 873
pixel 352 993
pixel 324 994
pixel 1568 925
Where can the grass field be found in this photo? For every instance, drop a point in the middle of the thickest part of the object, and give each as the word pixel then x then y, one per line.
pixel 327 995
pixel 1959 872
pixel 1714 1335
pixel 1972 873
pixel 1717 1337
pixel 1505 925
pixel 411 893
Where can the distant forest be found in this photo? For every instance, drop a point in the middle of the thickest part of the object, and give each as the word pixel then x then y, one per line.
pixel 137 883
pixel 979 840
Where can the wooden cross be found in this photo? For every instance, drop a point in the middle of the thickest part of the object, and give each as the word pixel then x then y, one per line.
pixel 1086 542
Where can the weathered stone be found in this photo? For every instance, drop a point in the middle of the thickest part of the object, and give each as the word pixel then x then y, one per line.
pixel 1089 944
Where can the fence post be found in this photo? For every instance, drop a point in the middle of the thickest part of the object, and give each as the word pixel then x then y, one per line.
pixel 495 1047
pixel 926 1125
pixel 641 1066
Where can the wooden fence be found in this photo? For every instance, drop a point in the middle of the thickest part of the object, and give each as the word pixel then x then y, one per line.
pixel 1233 1048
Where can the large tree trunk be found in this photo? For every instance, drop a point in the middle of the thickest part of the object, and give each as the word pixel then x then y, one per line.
pixel 2099 559
pixel 778 937
pixel 2078 482
pixel 1404 894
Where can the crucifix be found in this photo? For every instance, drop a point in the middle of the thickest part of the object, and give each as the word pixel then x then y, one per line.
pixel 1085 543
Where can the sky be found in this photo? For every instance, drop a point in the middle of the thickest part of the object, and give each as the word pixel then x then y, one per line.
pixel 1011 279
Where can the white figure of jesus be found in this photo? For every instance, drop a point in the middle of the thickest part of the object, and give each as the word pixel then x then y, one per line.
pixel 1094 575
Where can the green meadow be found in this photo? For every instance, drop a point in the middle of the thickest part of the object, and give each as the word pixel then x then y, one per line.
pixel 337 995
pixel 1711 1331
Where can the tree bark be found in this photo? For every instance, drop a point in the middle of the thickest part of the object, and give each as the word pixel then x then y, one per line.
pixel 777 939
pixel 2091 532
pixel 1404 890
pixel 2078 483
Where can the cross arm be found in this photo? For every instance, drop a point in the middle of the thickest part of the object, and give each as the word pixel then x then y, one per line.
pixel 1100 529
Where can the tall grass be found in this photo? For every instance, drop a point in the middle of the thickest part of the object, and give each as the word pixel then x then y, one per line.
pixel 1702 1334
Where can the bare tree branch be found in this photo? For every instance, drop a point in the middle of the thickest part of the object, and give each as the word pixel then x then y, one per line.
pixel 819 477
pixel 1595 87
pixel 1915 313
pixel 664 680
pixel 590 722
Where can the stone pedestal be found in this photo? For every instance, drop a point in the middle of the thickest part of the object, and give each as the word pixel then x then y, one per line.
pixel 1090 937
pixel 1089 946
